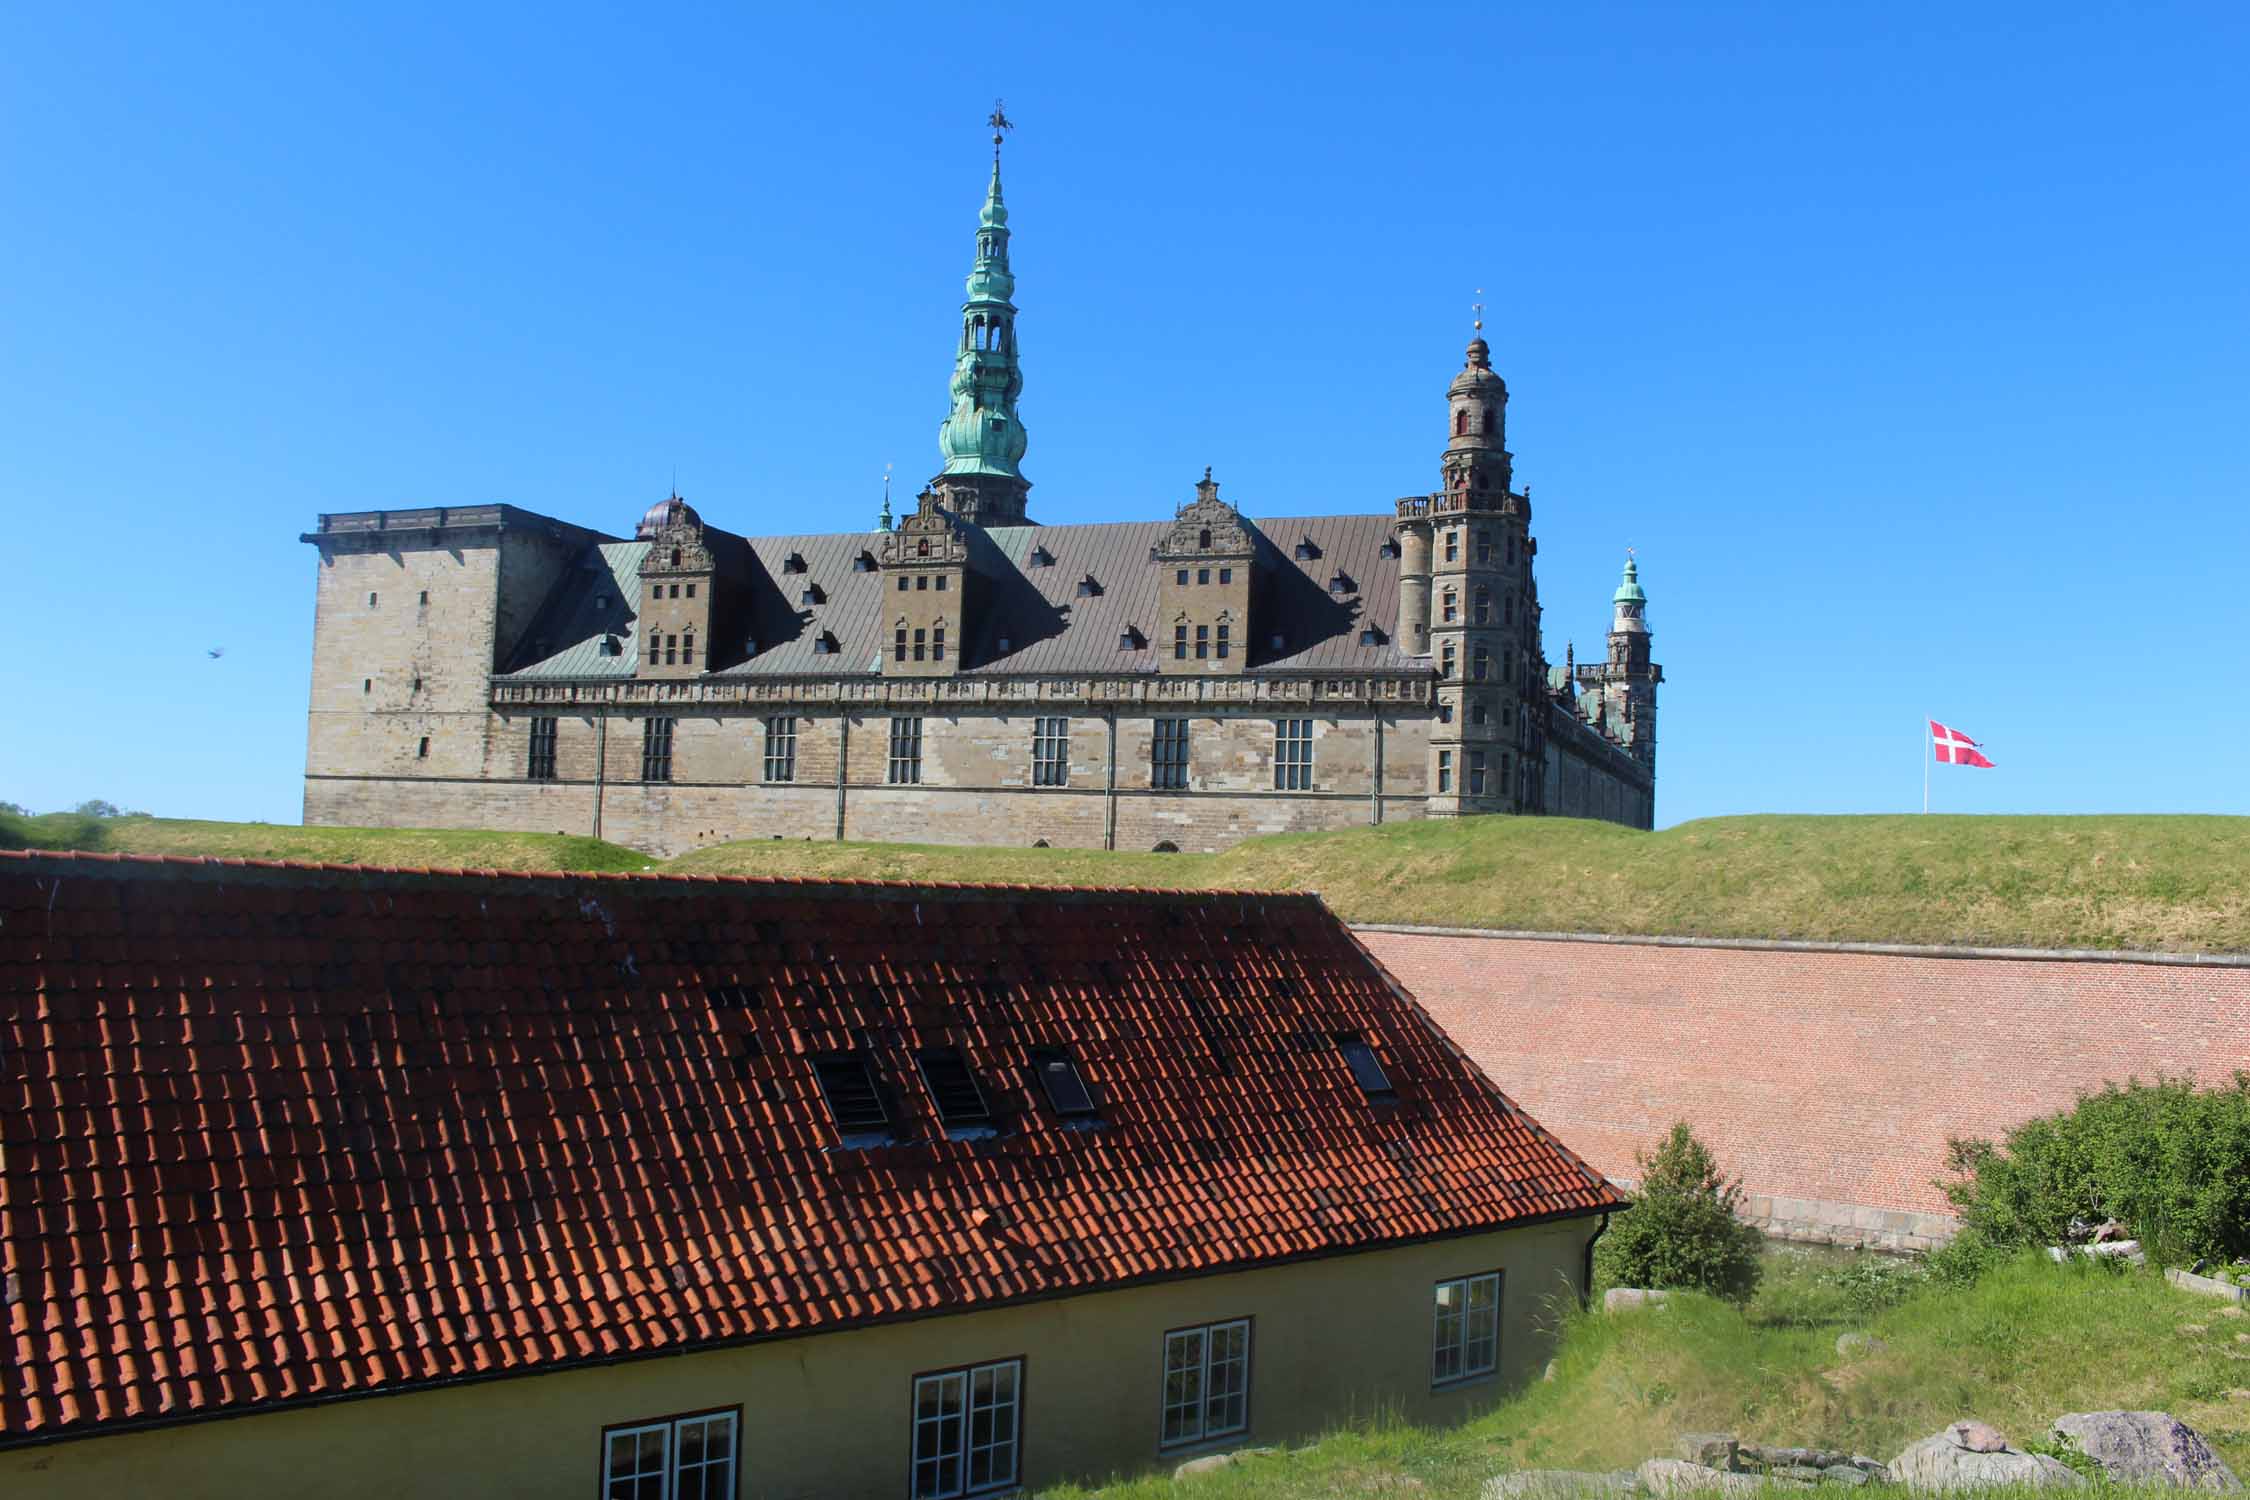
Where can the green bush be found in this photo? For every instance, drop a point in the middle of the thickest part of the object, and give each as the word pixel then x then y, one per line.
pixel 1682 1231
pixel 2168 1160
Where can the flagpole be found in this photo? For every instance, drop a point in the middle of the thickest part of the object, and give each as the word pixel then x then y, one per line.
pixel 1927 752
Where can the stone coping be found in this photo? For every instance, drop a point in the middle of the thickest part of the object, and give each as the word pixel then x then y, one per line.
pixel 1794 945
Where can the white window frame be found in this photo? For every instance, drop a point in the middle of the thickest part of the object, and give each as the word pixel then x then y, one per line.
pixel 1050 751
pixel 1221 1379
pixel 666 1474
pixel 1464 1338
pixel 946 1441
pixel 781 747
pixel 1293 755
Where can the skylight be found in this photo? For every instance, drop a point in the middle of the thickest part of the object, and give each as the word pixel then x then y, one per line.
pixel 851 1094
pixel 1058 1075
pixel 1367 1072
pixel 953 1088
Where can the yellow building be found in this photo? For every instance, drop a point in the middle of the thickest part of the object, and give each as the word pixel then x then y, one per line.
pixel 350 1181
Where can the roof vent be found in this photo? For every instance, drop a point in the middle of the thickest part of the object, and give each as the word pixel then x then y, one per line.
pixel 812 595
pixel 852 1097
pixel 824 644
pixel 793 563
pixel 1367 1071
pixel 953 1088
pixel 1041 558
pixel 1371 636
pixel 1389 548
pixel 1341 583
pixel 864 563
pixel 1089 587
pixel 1306 550
pixel 1130 639
pixel 1058 1076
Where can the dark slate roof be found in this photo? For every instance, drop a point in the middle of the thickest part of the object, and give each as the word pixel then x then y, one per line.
pixel 279 1133
pixel 1050 629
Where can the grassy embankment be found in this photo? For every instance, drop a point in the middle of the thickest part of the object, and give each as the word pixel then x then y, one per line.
pixel 2025 1344
pixel 2122 881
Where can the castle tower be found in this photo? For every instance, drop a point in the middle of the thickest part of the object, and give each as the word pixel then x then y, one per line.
pixel 1204 588
pixel 982 439
pixel 678 577
pixel 1630 678
pixel 1472 539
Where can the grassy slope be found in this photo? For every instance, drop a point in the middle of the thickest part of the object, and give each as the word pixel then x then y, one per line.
pixel 2094 882
pixel 427 847
pixel 2022 1347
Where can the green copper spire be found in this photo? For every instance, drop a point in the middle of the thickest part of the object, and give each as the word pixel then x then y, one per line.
pixel 1629 590
pixel 982 435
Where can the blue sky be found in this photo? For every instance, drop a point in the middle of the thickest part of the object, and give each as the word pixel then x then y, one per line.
pixel 1910 345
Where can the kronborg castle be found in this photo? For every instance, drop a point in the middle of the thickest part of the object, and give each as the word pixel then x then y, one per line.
pixel 968 675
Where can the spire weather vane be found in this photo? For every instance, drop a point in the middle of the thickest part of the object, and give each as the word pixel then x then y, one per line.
pixel 1000 124
pixel 1477 307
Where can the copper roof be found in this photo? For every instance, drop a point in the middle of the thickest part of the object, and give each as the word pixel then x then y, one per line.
pixel 275 1132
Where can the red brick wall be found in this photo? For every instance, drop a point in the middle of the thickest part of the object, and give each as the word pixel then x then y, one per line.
pixel 1813 1075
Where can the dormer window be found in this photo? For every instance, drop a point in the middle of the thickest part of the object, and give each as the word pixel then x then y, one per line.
pixel 1306 551
pixel 1130 639
pixel 864 563
pixel 1371 637
pixel 1041 558
pixel 853 1100
pixel 812 595
pixel 824 644
pixel 953 1088
pixel 1388 549
pixel 1089 587
pixel 1341 583
pixel 793 563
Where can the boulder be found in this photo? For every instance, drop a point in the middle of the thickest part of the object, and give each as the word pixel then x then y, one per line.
pixel 1713 1450
pixel 1556 1484
pixel 1845 1474
pixel 1973 1456
pixel 2148 1448
pixel 1806 1473
pixel 1802 1458
pixel 1211 1462
pixel 1622 1298
pixel 1673 1476
pixel 1850 1344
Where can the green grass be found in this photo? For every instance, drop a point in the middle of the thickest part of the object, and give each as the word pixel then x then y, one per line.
pixel 2116 882
pixel 2025 1344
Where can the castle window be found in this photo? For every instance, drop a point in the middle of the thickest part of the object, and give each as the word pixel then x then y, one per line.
pixel 1511 552
pixel 417 687
pixel 1507 715
pixel 1203 538
pixel 1492 419
pixel 1278 640
pixel 1449 607
pixel 1202 575
pixel 922 547
pixel 1476 773
pixel 1480 664
pixel 1476 713
pixel 1179 643
pixel 902 583
pixel 367 684
pixel 1390 548
pixel 906 752
pixel 937 644
pixel 1453 546
pixel 1460 421
pixel 920 642
pixel 1042 558
pixel 656 749
pixel 1340 582
pixel 1224 648
pixel 675 557
pixel 677 1456
pixel 1168 755
pixel 370 601
pixel 898 644
pixel 1206 1391
pixel 1292 755
pixel 1445 770
pixel 1510 669
pixel 921 583
pixel 687 649
pixel 1050 752
pixel 941 583
pixel 1444 712
pixel 539 764
pixel 1481 612
pixel 425 596
pixel 1226 575
pixel 691 591
pixel 655 648
pixel 1511 606
pixel 1447 661
pixel 422 751
pixel 1484 546
pixel 1202 642
pixel 671 650
pixel 781 748
pixel 1181 576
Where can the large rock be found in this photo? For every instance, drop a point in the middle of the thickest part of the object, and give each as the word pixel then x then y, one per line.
pixel 1621 1298
pixel 1212 1462
pixel 1850 1344
pixel 1972 1456
pixel 2148 1447
pixel 1556 1484
pixel 1673 1476
pixel 1713 1450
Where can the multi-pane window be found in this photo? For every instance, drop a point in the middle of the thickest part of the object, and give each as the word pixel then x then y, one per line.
pixel 1202 642
pixel 937 641
pixel 1484 546
pixel 1445 770
pixel 1465 1328
pixel 1292 755
pixel 1206 1382
pixel 1168 755
pixel 1223 646
pixel 540 766
pixel 1050 752
pixel 1481 608
pixel 1476 773
pixel 1449 607
pixel 781 748
pixel 966 1430
pixel 681 1458
pixel 906 751
pixel 656 749
pixel 1448 658
pixel 1453 546
pixel 1179 643
pixel 898 640
pixel 1480 664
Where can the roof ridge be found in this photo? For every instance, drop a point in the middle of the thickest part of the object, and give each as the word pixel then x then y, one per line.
pixel 114 859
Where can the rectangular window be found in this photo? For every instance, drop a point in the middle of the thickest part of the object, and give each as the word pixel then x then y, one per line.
pixel 1453 546
pixel 781 748
pixel 1476 773
pixel 1179 643
pixel 906 752
pixel 1050 752
pixel 1059 1079
pixel 1202 642
pixel 966 1433
pixel 853 1100
pixel 941 583
pixel 898 644
pixel 1179 577
pixel 1206 1383
pixel 671 651
pixel 1367 1068
pixel 1445 770
pixel 1202 575
pixel 1223 646
pixel 953 1088
pixel 681 1458
pixel 902 583
pixel 541 764
pixel 1226 575
pixel 1484 546
pixel 656 749
pixel 1168 755
pixel 1465 1328
pixel 921 644
pixel 922 582
pixel 691 591
pixel 422 751
pixel 937 644
pixel 1292 755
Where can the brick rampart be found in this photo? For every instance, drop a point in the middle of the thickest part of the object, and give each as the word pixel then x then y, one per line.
pixel 1827 1079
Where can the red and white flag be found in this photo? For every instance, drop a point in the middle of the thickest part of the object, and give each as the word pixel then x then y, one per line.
pixel 1955 748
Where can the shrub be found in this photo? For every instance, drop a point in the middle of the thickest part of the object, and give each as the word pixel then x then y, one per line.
pixel 2168 1160
pixel 1682 1231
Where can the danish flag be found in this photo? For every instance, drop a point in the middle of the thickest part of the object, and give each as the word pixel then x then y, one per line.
pixel 1955 748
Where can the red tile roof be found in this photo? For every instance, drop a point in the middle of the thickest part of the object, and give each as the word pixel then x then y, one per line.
pixel 272 1132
